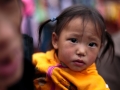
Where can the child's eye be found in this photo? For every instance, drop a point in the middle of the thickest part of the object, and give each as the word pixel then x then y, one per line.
pixel 92 44
pixel 73 40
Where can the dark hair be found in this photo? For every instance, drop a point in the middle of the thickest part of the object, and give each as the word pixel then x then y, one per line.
pixel 19 1
pixel 86 13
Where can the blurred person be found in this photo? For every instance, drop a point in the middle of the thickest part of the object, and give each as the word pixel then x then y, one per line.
pixel 16 69
pixel 28 12
pixel 29 24
pixel 53 8
pixel 77 40
pixel 100 6
pixel 66 3
pixel 107 69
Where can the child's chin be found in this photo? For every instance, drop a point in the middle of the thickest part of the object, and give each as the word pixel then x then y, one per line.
pixel 77 69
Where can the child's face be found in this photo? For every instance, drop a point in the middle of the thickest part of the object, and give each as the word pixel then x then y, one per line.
pixel 77 48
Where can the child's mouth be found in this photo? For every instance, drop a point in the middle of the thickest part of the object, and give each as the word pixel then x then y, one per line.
pixel 79 62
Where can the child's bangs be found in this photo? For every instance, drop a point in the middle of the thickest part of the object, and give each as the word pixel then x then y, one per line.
pixel 97 22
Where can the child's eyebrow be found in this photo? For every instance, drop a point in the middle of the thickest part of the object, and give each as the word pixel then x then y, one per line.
pixel 94 38
pixel 75 34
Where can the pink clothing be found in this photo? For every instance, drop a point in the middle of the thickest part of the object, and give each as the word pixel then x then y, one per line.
pixel 28 7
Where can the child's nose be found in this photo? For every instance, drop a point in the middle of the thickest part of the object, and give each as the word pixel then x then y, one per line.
pixel 81 50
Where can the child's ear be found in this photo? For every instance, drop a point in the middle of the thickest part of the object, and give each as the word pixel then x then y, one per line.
pixel 55 40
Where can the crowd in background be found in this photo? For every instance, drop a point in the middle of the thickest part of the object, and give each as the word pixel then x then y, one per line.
pixel 37 11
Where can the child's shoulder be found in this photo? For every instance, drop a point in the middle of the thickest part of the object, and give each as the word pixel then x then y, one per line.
pixel 37 57
pixel 99 83
pixel 48 54
pixel 39 54
pixel 44 58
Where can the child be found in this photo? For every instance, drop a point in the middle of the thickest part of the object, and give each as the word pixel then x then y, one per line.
pixel 77 39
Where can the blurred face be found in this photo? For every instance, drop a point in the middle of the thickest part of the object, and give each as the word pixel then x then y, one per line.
pixel 77 48
pixel 11 50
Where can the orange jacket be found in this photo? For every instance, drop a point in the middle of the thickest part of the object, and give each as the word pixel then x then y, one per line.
pixel 62 78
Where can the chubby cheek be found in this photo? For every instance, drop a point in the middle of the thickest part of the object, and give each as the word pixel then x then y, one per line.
pixel 92 57
pixel 66 52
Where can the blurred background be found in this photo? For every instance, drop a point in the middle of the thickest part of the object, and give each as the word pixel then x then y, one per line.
pixel 36 12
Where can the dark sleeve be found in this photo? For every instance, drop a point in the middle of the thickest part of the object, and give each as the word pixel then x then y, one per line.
pixel 28 47
pixel 110 71
pixel 29 69
pixel 26 82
